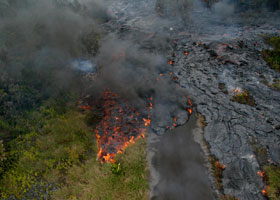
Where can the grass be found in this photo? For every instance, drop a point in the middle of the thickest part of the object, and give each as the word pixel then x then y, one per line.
pixel 2 156
pixel 217 171
pixel 273 182
pixel 244 98
pixel 45 157
pixel 275 85
pixel 260 152
pixel 55 158
pixel 272 57
pixel 94 181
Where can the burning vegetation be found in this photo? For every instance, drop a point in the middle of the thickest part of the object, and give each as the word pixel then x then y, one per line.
pixel 120 126
pixel 217 171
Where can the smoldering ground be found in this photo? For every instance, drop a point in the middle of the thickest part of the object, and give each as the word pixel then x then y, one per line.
pixel 136 76
pixel 52 39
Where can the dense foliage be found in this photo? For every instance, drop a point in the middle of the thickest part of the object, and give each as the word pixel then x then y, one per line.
pixel 273 187
pixel 272 57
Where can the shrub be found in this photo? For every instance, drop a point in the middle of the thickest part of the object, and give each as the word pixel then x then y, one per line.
pixel 244 98
pixel 93 180
pixel 217 171
pixel 273 181
pixel 272 57
pixel 2 155
pixel 116 168
pixel 46 156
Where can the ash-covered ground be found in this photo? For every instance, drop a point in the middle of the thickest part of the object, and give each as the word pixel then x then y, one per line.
pixel 223 54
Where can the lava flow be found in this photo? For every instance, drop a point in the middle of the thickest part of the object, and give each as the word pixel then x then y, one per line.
pixel 120 126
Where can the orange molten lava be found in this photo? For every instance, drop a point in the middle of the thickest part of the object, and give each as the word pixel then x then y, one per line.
pixel 119 127
pixel 147 121
pixel 261 174
pixel 219 165
pixel 189 105
pixel 237 90
pixel 85 107
pixel 264 192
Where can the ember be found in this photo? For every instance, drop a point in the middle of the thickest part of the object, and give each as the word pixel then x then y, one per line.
pixel 120 126
pixel 186 53
pixel 170 62
pixel 264 192
pixel 175 120
pixel 237 90
pixel 219 165
pixel 261 174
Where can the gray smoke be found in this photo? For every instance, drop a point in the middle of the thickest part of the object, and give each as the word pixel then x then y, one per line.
pixel 59 37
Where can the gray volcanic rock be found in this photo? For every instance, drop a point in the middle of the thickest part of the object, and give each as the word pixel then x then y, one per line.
pixel 230 125
pixel 224 55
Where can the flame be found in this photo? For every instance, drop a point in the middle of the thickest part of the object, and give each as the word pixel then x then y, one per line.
pixel 219 165
pixel 237 90
pixel 189 105
pixel 186 53
pixel 85 107
pixel 170 62
pixel 264 192
pixel 151 106
pixel 147 121
pixel 189 101
pixel 119 127
pixel 261 174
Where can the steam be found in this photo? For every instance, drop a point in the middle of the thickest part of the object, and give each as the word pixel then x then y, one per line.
pixel 86 66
